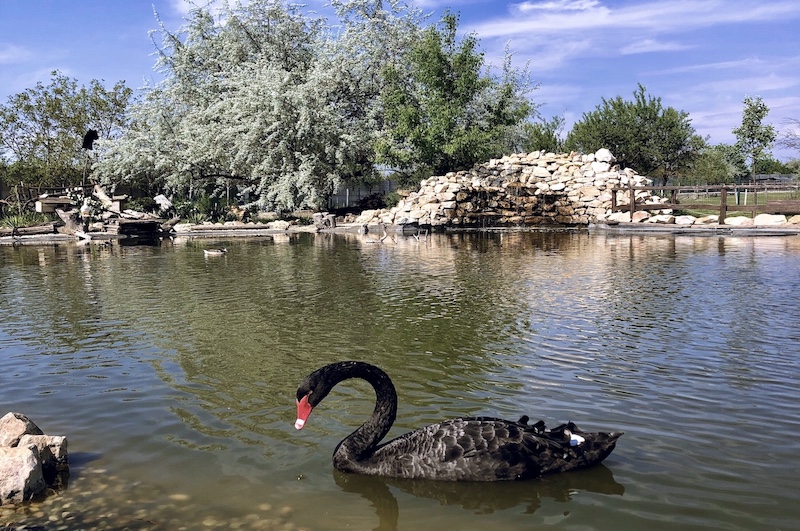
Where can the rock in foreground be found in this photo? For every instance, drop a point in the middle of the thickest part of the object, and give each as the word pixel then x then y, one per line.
pixel 30 461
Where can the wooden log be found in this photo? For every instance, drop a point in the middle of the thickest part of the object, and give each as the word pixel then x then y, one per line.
pixel 47 228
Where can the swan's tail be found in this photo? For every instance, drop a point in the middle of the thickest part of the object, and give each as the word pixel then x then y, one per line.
pixel 572 448
pixel 588 449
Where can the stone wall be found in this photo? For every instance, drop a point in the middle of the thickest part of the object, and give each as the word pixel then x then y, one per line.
pixel 524 189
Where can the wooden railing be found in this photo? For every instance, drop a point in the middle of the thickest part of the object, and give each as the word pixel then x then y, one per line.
pixel 724 206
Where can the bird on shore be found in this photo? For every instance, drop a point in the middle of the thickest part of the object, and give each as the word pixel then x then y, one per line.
pixel 461 449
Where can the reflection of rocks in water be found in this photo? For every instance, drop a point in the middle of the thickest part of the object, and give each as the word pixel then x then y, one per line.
pixel 478 497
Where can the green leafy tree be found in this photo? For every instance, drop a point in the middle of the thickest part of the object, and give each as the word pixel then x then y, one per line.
pixel 376 36
pixel 42 129
pixel 771 165
pixel 718 164
pixel 544 135
pixel 642 134
pixel 793 166
pixel 443 112
pixel 753 138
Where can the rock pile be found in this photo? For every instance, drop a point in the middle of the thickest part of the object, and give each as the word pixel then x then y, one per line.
pixel 524 189
pixel 30 461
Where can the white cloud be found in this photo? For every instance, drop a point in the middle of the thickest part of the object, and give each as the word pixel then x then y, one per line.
pixel 652 45
pixel 562 17
pixel 556 5
pixel 10 54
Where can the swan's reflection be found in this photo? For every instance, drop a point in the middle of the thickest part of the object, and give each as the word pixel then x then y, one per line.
pixel 477 497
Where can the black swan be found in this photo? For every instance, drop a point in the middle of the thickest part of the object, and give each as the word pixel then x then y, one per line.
pixel 462 449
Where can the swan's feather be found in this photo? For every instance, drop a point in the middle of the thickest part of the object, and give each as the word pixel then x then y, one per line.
pixel 482 449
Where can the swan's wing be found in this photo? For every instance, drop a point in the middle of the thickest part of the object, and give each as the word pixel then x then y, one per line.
pixel 484 449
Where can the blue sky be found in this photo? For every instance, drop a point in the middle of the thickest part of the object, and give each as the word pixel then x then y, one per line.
pixel 698 56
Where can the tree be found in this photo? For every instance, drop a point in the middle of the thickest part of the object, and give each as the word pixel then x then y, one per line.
pixel 790 137
pixel 42 129
pixel 245 99
pixel 770 165
pixel 642 134
pixel 442 113
pixel 269 97
pixel 544 135
pixel 291 108
pixel 719 164
pixel 754 139
pixel 794 167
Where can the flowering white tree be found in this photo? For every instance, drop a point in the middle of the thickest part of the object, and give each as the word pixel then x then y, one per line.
pixel 280 100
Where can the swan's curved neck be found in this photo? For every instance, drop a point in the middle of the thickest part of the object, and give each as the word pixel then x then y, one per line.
pixel 362 442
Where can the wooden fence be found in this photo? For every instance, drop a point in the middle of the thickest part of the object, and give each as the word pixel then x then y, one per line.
pixel 725 205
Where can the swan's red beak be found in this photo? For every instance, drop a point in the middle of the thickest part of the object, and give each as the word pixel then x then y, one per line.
pixel 303 411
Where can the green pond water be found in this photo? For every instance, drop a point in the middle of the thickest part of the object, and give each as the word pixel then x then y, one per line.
pixel 173 375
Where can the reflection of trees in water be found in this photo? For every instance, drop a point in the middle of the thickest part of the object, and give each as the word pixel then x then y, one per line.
pixel 479 498
pixel 426 311
pixel 64 290
pixel 243 329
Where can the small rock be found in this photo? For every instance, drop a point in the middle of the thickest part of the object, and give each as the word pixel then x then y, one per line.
pixel 739 221
pixel 707 220
pixel 666 219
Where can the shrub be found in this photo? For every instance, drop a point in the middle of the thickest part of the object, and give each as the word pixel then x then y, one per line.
pixel 26 219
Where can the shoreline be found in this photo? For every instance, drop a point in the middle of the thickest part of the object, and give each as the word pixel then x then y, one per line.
pixel 255 231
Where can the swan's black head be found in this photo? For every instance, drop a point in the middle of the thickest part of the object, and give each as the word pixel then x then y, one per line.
pixel 319 383
pixel 316 386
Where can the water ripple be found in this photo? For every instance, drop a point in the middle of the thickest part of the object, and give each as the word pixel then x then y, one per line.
pixel 184 378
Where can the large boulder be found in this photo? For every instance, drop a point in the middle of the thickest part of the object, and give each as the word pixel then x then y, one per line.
pixel 52 452
pixel 21 476
pixel 13 426
pixel 30 461
pixel 769 219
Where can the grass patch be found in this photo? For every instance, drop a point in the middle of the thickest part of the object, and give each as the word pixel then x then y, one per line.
pixel 26 219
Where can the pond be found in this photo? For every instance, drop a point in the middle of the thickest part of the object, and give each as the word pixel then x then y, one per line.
pixel 173 375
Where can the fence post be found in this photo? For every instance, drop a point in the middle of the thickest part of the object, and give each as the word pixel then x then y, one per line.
pixel 632 204
pixel 723 204
pixel 755 197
